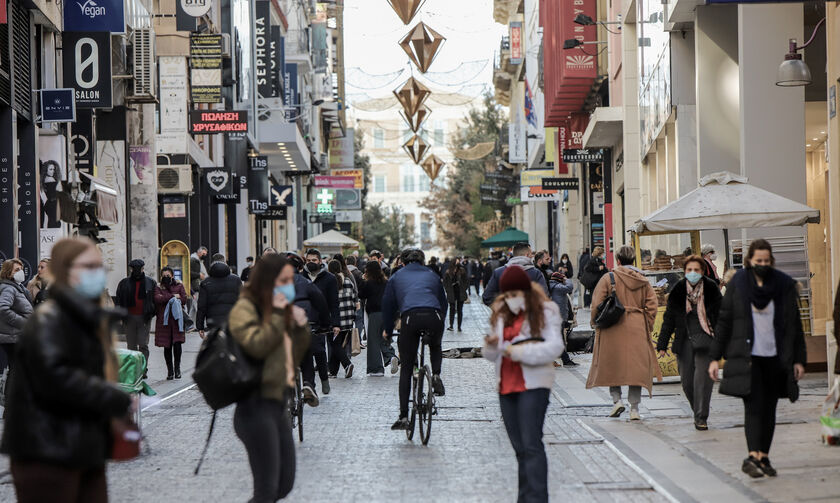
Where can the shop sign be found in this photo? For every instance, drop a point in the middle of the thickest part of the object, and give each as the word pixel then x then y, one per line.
pixel 348 199
pixel 218 121
pixel 517 131
pixel 206 68
pixel 533 177
pixel 569 136
pixel 220 184
pixel 357 174
pixel 515 42
pixel 205 51
pixel 278 213
pixel 348 216
pixel 58 105
pixel 258 198
pixel 335 182
pixel 282 195
pixel 290 83
pixel 87 67
pixel 277 55
pixel 342 151
pixel 187 11
pixel 94 15
pixel 538 194
pixel 583 155
pixel 262 53
pixel 560 184
pixel 82 141
pixel 577 64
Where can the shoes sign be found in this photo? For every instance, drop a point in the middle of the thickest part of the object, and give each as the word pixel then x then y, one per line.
pixel 87 67
pixel 94 15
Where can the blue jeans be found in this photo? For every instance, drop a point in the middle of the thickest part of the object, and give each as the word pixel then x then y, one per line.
pixel 524 415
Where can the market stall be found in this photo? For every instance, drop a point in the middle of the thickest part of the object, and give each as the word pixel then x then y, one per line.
pixel 332 242
pixel 505 239
pixel 722 201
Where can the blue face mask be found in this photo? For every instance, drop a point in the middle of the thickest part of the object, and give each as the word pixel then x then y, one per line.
pixel 693 277
pixel 288 291
pixel 91 283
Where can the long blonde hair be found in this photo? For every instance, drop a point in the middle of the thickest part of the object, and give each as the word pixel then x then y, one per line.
pixel 534 299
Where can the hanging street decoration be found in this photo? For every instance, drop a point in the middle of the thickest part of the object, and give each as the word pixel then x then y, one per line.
pixel 416 121
pixel 411 95
pixel 422 44
pixel 416 148
pixel 406 9
pixel 432 166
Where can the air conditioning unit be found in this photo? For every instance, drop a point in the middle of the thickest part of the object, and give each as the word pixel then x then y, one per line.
pixel 174 179
pixel 143 51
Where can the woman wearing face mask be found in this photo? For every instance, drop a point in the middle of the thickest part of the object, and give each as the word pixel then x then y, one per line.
pixel 15 306
pixel 709 268
pixel 692 312
pixel 525 338
pixel 63 393
pixel 759 333
pixel 274 331
pixel 170 299
pixel 567 264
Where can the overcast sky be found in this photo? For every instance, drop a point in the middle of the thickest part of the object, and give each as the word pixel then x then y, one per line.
pixel 373 31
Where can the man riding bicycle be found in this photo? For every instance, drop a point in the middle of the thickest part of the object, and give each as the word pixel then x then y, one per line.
pixel 416 293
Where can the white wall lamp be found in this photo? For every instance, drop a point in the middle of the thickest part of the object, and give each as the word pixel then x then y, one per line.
pixel 793 72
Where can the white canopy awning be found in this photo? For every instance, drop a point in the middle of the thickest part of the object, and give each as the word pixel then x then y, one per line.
pixel 726 201
pixel 331 239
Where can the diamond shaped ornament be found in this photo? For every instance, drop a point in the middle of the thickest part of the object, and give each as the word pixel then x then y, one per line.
pixel 432 166
pixel 406 9
pixel 422 44
pixel 416 121
pixel 412 95
pixel 416 148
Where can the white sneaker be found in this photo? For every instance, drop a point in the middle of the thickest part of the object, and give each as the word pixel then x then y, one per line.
pixel 617 409
pixel 395 365
pixel 634 415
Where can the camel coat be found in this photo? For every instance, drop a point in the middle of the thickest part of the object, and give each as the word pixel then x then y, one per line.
pixel 623 354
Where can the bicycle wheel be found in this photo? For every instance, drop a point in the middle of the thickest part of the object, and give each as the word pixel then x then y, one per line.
pixel 427 405
pixel 412 414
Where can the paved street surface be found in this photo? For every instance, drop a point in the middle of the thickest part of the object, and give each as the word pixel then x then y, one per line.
pixel 350 454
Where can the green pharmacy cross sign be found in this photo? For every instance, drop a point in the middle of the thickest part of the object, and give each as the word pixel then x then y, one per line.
pixel 325 197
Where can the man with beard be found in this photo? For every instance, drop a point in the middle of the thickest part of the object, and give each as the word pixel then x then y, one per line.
pixel 136 294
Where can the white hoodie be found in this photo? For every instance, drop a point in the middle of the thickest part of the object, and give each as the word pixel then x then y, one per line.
pixel 536 358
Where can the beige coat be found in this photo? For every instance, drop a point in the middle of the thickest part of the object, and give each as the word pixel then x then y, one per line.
pixel 623 354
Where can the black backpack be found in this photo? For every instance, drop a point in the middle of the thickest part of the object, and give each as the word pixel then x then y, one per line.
pixel 224 374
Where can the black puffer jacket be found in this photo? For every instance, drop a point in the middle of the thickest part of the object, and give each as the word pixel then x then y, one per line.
pixel 309 298
pixel 216 296
pixel 734 335
pixel 59 404
pixel 674 320
pixel 328 284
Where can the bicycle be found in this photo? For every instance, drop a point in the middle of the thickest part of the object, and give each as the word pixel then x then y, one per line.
pixel 296 405
pixel 422 402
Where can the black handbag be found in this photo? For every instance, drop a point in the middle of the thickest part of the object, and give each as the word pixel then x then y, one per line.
pixel 610 311
pixel 223 372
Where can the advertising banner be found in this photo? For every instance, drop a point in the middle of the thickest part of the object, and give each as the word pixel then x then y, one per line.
pixel 533 177
pixel 87 67
pixel 335 182
pixel 258 197
pixel 141 165
pixel 110 167
pixel 53 171
pixel 82 141
pixel 341 151
pixel 94 15
pixel 538 194
pixel 515 42
pixel 221 121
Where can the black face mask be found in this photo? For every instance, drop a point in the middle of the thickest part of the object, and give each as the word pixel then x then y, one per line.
pixel 762 271
pixel 166 280
pixel 313 267
pixel 136 273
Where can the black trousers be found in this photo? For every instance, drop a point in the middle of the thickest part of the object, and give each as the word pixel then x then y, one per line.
pixel 174 349
pixel 456 308
pixel 476 284
pixel 409 342
pixel 263 426
pixel 318 352
pixel 338 351
pixel 767 384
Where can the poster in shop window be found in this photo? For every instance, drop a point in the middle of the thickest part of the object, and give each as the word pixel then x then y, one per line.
pixel 110 167
pixel 53 171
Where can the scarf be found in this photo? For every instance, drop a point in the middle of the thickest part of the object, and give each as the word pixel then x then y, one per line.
pixel 694 299
pixel 776 285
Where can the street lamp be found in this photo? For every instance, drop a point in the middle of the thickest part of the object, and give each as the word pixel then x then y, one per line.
pixel 793 72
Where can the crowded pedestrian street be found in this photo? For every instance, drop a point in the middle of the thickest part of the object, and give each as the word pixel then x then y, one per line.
pixel 349 453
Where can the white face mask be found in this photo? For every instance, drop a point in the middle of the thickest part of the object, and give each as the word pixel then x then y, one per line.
pixel 713 257
pixel 515 304
pixel 19 276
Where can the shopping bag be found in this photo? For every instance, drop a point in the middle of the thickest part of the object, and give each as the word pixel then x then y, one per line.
pixel 355 342
pixel 830 417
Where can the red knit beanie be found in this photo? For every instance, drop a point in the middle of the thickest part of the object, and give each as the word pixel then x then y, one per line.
pixel 514 278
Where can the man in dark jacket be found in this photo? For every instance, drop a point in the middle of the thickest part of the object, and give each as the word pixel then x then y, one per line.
pixel 136 294
pixel 328 284
pixel 490 267
pixel 522 258
pixel 216 296
pixel 246 272
pixel 582 261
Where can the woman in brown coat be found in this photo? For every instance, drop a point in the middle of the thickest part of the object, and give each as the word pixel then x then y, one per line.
pixel 623 353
